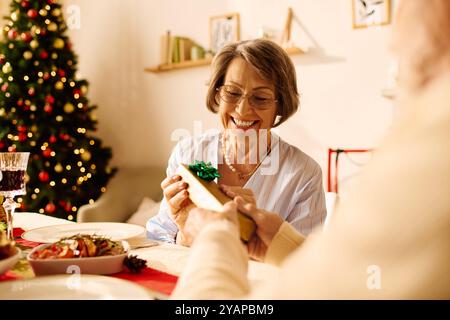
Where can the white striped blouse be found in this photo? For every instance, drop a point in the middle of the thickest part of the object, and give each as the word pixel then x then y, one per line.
pixel 287 182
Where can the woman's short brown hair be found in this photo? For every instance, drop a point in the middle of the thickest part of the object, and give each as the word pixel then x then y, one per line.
pixel 272 63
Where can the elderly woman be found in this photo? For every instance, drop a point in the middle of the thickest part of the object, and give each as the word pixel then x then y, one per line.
pixel 253 89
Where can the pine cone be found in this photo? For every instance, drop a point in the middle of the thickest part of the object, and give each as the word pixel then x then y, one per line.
pixel 134 264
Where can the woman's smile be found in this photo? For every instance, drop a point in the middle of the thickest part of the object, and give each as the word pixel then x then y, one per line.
pixel 236 122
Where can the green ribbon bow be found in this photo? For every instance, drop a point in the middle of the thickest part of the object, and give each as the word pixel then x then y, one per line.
pixel 204 171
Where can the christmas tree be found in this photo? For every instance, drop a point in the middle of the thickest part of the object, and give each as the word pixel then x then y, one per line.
pixel 44 110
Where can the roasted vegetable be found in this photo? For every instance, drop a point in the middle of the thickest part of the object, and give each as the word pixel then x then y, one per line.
pixel 80 246
pixel 7 247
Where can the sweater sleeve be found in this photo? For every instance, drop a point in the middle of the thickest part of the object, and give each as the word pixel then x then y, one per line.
pixel 284 243
pixel 217 267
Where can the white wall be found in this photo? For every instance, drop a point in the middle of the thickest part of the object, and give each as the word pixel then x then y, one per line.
pixel 341 104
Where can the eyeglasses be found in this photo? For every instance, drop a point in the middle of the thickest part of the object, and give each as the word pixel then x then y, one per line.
pixel 260 99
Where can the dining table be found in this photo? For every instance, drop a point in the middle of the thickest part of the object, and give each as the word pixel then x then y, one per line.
pixel 164 261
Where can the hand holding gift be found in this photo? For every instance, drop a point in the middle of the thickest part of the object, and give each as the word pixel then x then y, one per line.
pixel 205 193
pixel 177 197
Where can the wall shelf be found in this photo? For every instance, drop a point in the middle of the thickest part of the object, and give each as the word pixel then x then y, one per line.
pixel 179 65
pixel 202 62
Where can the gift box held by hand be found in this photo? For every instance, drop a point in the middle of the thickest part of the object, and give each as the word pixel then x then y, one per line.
pixel 205 193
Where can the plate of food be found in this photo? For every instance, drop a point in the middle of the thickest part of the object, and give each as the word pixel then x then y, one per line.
pixel 114 230
pixel 69 287
pixel 9 253
pixel 83 254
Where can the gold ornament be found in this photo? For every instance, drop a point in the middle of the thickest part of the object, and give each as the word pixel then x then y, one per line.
pixel 11 45
pixel 6 68
pixel 59 168
pixel 58 43
pixel 54 56
pixel 93 117
pixel 34 44
pixel 43 12
pixel 52 27
pixel 86 156
pixel 27 55
pixel 56 12
pixel 59 85
pixel 84 89
pixel 15 15
pixel 68 107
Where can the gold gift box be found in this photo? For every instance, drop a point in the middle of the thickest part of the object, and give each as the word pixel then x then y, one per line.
pixel 207 195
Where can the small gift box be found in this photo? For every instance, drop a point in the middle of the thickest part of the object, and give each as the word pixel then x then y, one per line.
pixel 205 193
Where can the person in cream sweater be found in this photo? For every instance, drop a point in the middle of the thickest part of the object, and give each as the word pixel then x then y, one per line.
pixel 390 238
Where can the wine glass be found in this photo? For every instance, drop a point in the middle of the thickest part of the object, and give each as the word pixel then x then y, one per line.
pixel 13 166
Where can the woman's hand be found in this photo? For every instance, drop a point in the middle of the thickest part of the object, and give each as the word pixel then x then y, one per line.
pixel 267 226
pixel 234 191
pixel 177 197
pixel 199 218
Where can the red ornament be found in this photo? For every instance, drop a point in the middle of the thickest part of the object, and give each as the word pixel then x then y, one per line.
pixel 2 145
pixel 48 108
pixel 2 60
pixel 22 137
pixel 12 148
pixel 43 176
pixel 4 87
pixel 50 208
pixel 47 153
pixel 32 13
pixel 21 128
pixel 12 34
pixel 26 36
pixel 46 76
pixel 25 3
pixel 43 32
pixel 43 54
pixel 50 1
pixel 50 99
pixel 64 136
pixel 31 91
pixel 52 139
pixel 61 73
pixel 77 91
pixel 19 102
pixel 68 207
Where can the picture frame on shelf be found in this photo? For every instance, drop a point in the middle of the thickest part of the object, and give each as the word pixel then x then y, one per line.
pixel 223 29
pixel 367 13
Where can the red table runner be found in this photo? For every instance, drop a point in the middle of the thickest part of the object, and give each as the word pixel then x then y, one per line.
pixel 150 278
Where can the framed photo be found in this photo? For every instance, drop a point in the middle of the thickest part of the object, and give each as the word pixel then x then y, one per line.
pixel 223 30
pixel 368 13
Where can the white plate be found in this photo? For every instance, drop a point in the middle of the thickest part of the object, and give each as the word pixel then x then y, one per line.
pixel 8 263
pixel 113 230
pixel 72 287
